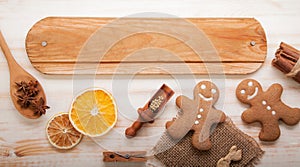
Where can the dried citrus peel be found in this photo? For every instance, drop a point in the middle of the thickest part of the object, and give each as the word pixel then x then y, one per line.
pixel 61 133
pixel 93 112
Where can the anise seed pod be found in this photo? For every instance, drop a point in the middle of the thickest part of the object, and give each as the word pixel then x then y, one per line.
pixel 32 89
pixel 33 83
pixel 39 107
pixel 21 86
pixel 24 100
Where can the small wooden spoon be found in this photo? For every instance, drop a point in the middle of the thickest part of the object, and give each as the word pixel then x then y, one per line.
pixel 18 74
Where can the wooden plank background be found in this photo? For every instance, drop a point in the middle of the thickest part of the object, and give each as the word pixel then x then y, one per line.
pixel 195 43
pixel 23 142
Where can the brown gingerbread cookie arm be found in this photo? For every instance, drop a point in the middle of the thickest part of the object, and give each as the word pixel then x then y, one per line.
pixel 290 116
pixel 250 116
pixel 178 104
pixel 274 92
pixel 179 101
pixel 169 123
pixel 215 116
pixel 180 126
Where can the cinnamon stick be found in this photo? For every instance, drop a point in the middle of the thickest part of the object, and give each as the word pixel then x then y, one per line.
pixel 285 59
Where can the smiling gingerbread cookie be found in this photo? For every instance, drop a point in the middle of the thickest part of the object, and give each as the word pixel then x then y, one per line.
pixel 198 115
pixel 266 108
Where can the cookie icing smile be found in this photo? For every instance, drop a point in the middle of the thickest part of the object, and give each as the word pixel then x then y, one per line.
pixel 205 98
pixel 249 97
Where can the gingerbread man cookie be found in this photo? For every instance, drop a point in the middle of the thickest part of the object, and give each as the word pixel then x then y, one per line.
pixel 198 115
pixel 266 108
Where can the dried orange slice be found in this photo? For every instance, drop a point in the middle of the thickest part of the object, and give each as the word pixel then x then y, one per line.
pixel 93 112
pixel 61 133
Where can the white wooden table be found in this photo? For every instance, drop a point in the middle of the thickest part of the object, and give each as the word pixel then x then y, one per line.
pixel 23 142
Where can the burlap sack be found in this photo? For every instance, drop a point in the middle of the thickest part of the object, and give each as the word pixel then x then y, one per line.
pixel 223 137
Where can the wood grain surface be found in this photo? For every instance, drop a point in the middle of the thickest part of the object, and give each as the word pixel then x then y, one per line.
pixel 23 142
pixel 143 42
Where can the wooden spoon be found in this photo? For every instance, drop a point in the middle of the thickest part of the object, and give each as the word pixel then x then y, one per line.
pixel 18 74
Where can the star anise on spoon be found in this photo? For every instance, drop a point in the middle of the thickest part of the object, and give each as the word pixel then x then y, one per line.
pixel 24 100
pixel 21 86
pixel 32 89
pixel 39 107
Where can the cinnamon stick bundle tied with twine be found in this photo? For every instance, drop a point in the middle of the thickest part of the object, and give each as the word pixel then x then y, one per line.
pixel 287 60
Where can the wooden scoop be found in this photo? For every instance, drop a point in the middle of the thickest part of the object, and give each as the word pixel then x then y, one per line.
pixel 18 74
pixel 148 113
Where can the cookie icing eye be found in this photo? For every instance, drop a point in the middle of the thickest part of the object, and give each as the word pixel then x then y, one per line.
pixel 203 86
pixel 243 91
pixel 213 91
pixel 250 83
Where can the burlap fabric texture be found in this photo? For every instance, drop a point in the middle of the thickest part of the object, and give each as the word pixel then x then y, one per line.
pixel 223 137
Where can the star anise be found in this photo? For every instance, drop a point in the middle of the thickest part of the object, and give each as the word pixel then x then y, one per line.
pixel 24 100
pixel 39 107
pixel 32 89
pixel 21 86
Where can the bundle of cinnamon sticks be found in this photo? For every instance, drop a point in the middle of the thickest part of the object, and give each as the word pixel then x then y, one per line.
pixel 286 58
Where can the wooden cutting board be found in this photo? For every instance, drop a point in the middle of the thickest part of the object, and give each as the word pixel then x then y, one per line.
pixel 68 45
